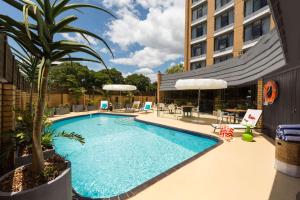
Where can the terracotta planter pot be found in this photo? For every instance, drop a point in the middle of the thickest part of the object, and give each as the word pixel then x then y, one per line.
pixel 57 189
pixel 25 160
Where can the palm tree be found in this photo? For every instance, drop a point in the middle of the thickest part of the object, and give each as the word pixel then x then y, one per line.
pixel 38 33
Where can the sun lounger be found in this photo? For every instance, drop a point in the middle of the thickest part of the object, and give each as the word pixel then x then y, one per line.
pixel 250 119
pixel 148 106
pixel 104 105
pixel 135 107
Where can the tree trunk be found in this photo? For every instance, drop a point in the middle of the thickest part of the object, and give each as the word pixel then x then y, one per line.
pixel 37 152
pixel 30 99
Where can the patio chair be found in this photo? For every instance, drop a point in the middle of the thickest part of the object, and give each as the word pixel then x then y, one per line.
pixel 250 119
pixel 148 106
pixel 135 107
pixel 104 105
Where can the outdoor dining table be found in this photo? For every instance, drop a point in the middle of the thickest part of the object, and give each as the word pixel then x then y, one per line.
pixel 187 110
pixel 235 112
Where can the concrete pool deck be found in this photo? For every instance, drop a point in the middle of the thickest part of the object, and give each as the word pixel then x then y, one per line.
pixel 234 170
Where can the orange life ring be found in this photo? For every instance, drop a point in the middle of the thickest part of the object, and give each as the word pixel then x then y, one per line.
pixel 270 92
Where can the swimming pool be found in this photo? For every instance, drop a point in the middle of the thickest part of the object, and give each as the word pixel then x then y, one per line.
pixel 121 153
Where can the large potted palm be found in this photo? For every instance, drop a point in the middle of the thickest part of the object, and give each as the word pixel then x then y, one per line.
pixel 43 21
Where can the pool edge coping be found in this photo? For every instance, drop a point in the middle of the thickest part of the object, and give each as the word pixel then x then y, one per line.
pixel 145 185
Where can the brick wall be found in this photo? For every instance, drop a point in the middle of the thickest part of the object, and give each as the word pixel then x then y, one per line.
pixel 260 100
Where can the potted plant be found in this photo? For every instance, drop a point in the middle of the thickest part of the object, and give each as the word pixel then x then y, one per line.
pixel 50 111
pixel 62 110
pixel 77 93
pixel 38 34
pixel 23 138
pixel 91 105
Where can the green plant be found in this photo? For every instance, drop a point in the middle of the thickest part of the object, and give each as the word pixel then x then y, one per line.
pixel 91 102
pixel 37 34
pixel 77 93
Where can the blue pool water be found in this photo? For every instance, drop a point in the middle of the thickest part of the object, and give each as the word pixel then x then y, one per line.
pixel 121 153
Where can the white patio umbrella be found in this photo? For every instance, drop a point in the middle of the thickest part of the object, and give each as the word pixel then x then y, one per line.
pixel 119 87
pixel 200 84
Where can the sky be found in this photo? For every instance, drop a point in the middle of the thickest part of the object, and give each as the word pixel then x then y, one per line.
pixel 146 37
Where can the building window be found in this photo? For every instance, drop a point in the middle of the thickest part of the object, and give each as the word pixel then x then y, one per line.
pixel 198 30
pixel 222 58
pixel 220 3
pixel 224 41
pixel 257 29
pixel 199 12
pixel 198 49
pixel 224 19
pixel 195 1
pixel 252 6
pixel 198 65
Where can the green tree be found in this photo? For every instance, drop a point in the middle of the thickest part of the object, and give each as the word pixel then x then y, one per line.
pixel 175 69
pixel 37 33
pixel 109 76
pixel 142 82
pixel 70 75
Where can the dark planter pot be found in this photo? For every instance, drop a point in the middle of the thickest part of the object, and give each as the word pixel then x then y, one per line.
pixel 91 108
pixel 62 111
pixel 77 108
pixel 25 160
pixel 57 189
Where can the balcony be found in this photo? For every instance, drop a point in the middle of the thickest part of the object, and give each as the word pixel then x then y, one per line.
pixel 199 20
pixel 224 29
pixel 223 52
pixel 257 14
pixel 198 39
pixel 198 58
pixel 197 3
pixel 224 8
pixel 250 43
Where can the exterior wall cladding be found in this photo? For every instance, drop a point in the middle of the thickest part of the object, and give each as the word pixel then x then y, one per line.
pixel 239 19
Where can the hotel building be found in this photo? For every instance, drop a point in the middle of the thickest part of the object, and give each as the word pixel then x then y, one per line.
pixel 217 30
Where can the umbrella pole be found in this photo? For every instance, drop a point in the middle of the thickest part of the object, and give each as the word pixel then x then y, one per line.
pixel 199 103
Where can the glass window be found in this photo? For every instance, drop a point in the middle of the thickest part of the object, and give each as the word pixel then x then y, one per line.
pixel 198 49
pixel 198 65
pixel 198 30
pixel 222 58
pixel 252 6
pixel 220 3
pixel 199 12
pixel 224 41
pixel 257 29
pixel 224 19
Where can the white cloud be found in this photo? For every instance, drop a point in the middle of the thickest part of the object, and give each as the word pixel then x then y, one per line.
pixel 78 38
pixel 104 50
pixel 145 71
pixel 147 57
pixel 160 33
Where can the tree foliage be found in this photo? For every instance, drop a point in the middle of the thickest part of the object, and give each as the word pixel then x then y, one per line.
pixel 175 69
pixel 75 76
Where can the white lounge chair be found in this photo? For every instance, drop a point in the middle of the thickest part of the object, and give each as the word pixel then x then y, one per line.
pixel 250 119
pixel 104 105
pixel 148 106
pixel 135 107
